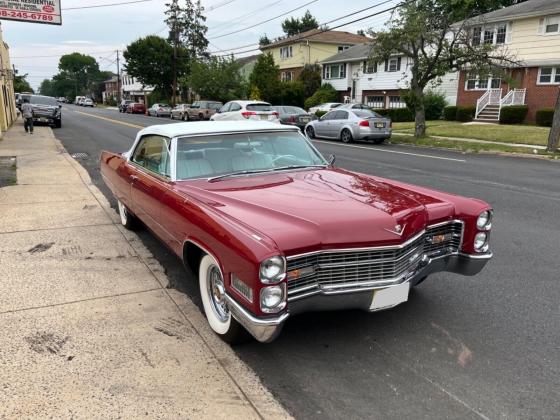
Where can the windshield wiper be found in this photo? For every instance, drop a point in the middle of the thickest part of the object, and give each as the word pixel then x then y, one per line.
pixel 283 168
pixel 250 171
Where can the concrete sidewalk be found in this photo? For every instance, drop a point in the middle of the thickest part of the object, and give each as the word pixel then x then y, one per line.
pixel 89 327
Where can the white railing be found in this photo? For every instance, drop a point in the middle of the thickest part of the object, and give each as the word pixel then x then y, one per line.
pixel 514 97
pixel 490 97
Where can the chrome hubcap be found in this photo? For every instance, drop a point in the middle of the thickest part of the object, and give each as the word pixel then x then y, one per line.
pixel 217 292
pixel 122 212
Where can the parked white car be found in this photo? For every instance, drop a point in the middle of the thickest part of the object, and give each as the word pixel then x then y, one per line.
pixel 246 110
pixel 326 107
pixel 87 102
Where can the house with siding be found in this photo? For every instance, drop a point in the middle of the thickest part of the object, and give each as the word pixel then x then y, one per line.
pixel 378 85
pixel 291 54
pixel 530 33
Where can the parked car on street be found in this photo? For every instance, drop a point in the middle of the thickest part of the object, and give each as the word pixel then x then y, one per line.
pixel 135 108
pixel 21 97
pixel 293 115
pixel 88 102
pixel 272 229
pixel 349 125
pixel 180 112
pixel 326 107
pixel 46 109
pixel 202 110
pixel 124 104
pixel 355 106
pixel 159 110
pixel 78 100
pixel 246 110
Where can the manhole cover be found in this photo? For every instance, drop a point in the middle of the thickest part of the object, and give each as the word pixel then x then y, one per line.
pixel 80 155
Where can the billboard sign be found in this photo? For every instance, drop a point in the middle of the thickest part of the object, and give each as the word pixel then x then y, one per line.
pixel 34 11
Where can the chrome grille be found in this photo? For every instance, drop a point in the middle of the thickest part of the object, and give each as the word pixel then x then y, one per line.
pixel 347 270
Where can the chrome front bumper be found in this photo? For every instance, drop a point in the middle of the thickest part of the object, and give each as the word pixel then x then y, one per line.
pixel 267 329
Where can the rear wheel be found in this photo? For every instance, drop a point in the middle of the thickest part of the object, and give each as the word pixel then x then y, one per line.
pixel 346 136
pixel 310 132
pixel 212 292
pixel 128 220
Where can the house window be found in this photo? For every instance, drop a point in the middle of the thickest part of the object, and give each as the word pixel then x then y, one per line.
pixel 334 71
pixel 369 67
pixel 376 101
pixel 287 76
pixel 342 48
pixel 477 83
pixel 393 64
pixel 549 75
pixel 396 102
pixel 549 25
pixel 286 52
pixel 491 34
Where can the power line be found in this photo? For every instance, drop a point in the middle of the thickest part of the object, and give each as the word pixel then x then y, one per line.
pixel 334 27
pixel 264 21
pixel 60 55
pixel 218 5
pixel 105 5
pixel 241 19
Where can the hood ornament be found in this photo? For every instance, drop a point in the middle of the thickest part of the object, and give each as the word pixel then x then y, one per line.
pixel 398 230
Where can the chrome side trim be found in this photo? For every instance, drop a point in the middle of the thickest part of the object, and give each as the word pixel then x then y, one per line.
pixel 263 329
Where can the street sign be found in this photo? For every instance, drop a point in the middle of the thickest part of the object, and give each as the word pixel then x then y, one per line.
pixel 34 11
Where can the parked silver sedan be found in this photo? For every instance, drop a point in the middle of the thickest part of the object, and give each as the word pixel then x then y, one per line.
pixel 350 124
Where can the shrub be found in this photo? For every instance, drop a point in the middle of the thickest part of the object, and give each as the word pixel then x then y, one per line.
pixel 397 114
pixel 514 114
pixel 544 117
pixel 450 113
pixel 292 93
pixel 434 104
pixel 325 93
pixel 319 114
pixel 465 113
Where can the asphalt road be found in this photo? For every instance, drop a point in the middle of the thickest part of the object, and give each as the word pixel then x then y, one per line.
pixel 462 347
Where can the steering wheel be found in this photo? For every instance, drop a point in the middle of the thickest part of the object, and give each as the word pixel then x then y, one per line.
pixel 289 157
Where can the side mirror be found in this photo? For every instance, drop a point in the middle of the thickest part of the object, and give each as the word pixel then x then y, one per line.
pixel 331 160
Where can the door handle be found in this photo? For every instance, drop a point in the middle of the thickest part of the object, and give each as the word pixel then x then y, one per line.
pixel 133 178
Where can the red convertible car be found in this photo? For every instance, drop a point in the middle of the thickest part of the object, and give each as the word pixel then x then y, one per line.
pixel 272 229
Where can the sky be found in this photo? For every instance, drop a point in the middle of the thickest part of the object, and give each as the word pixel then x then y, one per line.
pixel 35 48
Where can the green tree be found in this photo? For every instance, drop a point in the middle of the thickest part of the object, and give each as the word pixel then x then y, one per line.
pixel 266 77
pixel 293 26
pixel 310 76
pixel 46 88
pixel 217 79
pixel 21 84
pixel 82 69
pixel 426 33
pixel 264 40
pixel 150 61
pixel 292 93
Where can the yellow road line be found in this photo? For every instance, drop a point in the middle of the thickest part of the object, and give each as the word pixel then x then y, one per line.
pixel 111 120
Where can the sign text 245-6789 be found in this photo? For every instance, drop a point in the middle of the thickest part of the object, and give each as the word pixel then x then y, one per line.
pixel 38 11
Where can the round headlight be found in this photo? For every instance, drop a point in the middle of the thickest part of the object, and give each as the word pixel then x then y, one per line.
pixel 273 270
pixel 480 241
pixel 272 298
pixel 484 221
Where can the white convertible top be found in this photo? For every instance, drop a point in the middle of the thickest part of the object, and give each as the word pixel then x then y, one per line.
pixel 211 127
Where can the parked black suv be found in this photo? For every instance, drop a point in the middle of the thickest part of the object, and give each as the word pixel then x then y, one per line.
pixel 46 109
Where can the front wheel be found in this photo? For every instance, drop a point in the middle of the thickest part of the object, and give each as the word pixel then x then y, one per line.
pixel 128 220
pixel 346 136
pixel 58 123
pixel 310 132
pixel 171 116
pixel 212 292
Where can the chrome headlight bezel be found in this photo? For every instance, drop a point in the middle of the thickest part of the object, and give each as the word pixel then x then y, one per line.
pixel 272 270
pixel 280 291
pixel 484 220
pixel 480 243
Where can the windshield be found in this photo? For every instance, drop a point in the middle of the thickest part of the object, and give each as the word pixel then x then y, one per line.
pixel 259 107
pixel 364 113
pixel 42 100
pixel 210 156
pixel 293 110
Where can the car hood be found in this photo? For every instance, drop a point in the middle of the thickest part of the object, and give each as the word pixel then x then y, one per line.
pixel 321 209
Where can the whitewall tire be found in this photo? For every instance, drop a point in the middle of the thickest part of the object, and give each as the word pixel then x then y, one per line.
pixel 212 292
pixel 127 219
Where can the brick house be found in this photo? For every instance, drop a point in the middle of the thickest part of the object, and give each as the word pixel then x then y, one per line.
pixel 530 32
pixel 110 90
pixel 291 54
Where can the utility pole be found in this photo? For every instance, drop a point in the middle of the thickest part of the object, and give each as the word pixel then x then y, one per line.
pixel 118 80
pixel 174 34
pixel 554 136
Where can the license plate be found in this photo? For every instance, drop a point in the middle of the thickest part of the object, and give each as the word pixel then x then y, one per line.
pixel 264 117
pixel 389 297
pixel 43 120
pixel 379 125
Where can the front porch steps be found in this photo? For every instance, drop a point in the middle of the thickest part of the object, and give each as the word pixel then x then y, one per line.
pixel 489 114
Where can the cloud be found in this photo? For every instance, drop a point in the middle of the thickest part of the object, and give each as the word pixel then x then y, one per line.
pixel 78 42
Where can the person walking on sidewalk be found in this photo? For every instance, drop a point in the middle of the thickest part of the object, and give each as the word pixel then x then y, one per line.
pixel 27 113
